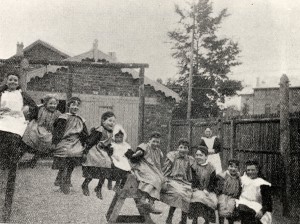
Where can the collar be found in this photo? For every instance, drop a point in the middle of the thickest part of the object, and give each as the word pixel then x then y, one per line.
pixel 203 164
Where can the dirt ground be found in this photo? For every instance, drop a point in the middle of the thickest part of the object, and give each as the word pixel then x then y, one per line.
pixel 37 200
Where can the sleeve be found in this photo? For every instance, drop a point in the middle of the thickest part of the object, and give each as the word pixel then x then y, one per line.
pixel 202 143
pixel 266 198
pixel 220 184
pixel 212 186
pixel 83 135
pixel 59 130
pixel 33 108
pixel 217 145
pixel 92 139
pixel 195 180
pixel 167 167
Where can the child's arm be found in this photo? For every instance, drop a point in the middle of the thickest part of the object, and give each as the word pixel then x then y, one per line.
pixel 32 107
pixel 59 130
pixel 92 140
pixel 138 153
pixel 195 181
pixel 83 135
pixel 212 186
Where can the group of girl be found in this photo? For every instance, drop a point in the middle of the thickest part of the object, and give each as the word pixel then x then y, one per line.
pixel 195 184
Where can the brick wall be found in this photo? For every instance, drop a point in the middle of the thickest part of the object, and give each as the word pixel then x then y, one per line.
pixel 111 82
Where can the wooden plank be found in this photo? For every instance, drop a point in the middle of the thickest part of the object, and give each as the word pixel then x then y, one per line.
pixel 10 189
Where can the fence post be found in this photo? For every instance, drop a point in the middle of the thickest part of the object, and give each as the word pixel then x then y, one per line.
pixel 233 138
pixel 141 106
pixel 285 142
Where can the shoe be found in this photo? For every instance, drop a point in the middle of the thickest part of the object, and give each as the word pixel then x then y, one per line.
pixel 65 188
pixel 57 183
pixel 85 190
pixel 99 194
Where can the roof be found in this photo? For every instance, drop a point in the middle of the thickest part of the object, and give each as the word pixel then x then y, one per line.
pixel 90 54
pixel 47 45
pixel 157 86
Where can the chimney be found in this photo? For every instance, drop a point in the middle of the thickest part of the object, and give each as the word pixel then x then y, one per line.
pixel 20 47
pixel 113 56
pixel 95 50
pixel 257 82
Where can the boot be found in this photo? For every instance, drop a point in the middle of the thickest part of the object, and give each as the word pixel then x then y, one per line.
pixel 85 189
pixel 99 194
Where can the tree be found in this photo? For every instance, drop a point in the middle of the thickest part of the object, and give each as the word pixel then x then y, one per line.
pixel 213 59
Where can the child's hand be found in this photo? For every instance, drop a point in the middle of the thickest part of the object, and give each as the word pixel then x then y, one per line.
pixel 25 110
pixel 206 192
pixel 259 214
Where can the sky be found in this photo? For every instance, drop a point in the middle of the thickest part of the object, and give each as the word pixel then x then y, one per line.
pixel 268 32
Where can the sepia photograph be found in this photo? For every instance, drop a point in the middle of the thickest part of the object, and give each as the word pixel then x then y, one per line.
pixel 150 111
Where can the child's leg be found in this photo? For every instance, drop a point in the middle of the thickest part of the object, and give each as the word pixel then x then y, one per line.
pixel 66 176
pixel 109 183
pixel 195 220
pixel 85 186
pixel 184 216
pixel 58 179
pixel 170 215
pixel 221 220
pixel 98 189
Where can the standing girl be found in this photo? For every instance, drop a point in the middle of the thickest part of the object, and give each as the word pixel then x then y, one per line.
pixel 98 153
pixel 69 137
pixel 15 105
pixel 214 148
pixel 38 134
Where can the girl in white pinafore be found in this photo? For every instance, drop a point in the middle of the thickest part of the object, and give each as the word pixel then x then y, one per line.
pixel 214 148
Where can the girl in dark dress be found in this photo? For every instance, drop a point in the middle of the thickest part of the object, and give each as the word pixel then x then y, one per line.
pixel 229 189
pixel 204 183
pixel 97 153
pixel 69 137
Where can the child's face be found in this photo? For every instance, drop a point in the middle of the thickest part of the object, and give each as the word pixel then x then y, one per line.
pixel 74 107
pixel 154 143
pixel 12 82
pixel 51 105
pixel 208 133
pixel 233 169
pixel 109 123
pixel 183 149
pixel 252 171
pixel 200 157
pixel 119 138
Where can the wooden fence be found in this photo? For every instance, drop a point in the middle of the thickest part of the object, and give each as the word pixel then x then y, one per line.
pixel 249 137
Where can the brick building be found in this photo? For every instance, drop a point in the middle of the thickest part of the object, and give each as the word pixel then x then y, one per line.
pixel 265 100
pixel 101 89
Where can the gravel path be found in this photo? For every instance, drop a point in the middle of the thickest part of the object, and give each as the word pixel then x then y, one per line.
pixel 37 200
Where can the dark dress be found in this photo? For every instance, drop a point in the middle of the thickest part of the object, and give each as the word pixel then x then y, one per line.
pixel 229 189
pixel 203 178
pixel 69 137
pixel 98 164
pixel 177 190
